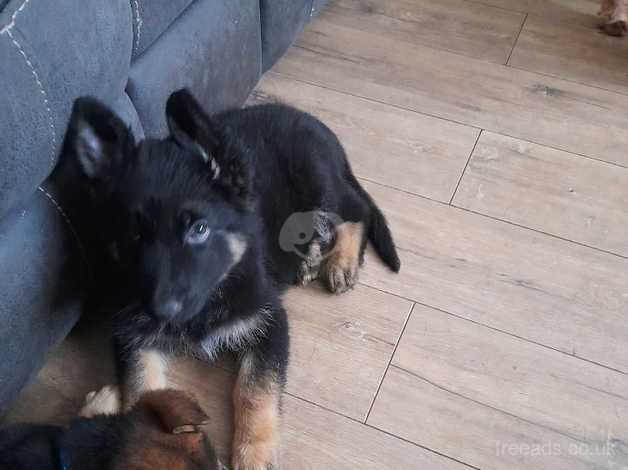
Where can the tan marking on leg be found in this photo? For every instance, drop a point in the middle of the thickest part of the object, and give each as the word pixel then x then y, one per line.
pixel 149 373
pixel 342 265
pixel 104 402
pixel 256 405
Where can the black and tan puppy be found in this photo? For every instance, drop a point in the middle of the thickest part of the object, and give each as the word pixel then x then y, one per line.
pixel 160 432
pixel 208 226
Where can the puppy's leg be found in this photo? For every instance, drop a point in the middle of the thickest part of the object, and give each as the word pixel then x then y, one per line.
pixel 256 400
pixel 309 268
pixel 613 16
pixel 341 267
pixel 104 402
pixel 142 370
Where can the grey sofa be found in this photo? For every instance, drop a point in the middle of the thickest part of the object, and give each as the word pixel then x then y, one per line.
pixel 130 54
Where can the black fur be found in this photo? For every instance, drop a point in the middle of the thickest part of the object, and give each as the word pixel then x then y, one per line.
pixel 240 176
pixel 87 443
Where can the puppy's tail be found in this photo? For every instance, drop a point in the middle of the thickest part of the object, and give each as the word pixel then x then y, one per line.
pixel 378 231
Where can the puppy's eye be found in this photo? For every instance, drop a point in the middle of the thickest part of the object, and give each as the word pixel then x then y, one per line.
pixel 198 232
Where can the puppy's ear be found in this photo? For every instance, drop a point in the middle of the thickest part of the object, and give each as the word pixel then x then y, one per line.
pixel 175 411
pixel 97 137
pixel 192 129
pixel 190 126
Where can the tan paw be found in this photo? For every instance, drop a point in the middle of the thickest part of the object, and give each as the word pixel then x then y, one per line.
pixel 104 402
pixel 341 273
pixel 256 456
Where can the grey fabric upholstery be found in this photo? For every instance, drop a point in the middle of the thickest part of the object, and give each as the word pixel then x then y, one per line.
pixel 130 54
pixel 43 69
pixel 217 58
pixel 151 18
pixel 124 108
pixel 281 21
pixel 41 275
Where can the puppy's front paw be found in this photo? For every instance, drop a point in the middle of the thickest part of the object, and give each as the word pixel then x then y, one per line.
pixel 341 273
pixel 309 268
pixel 104 402
pixel 341 268
pixel 256 456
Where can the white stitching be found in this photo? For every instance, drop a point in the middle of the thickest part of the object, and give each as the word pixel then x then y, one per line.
pixel 68 222
pixel 138 25
pixel 53 143
pixel 9 26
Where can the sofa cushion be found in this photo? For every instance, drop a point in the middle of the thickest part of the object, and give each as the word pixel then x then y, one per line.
pixel 281 20
pixel 213 49
pixel 151 18
pixel 43 254
pixel 40 288
pixel 123 107
pixel 51 52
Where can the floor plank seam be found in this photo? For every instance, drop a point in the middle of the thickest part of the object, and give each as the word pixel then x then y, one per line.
pixel 383 431
pixel 432 46
pixel 392 355
pixel 496 219
pixel 475 144
pixel 514 45
pixel 374 100
pixel 494 408
pixel 558 237
pixel 498 330
pixel 453 121
pixel 486 4
pixel 575 82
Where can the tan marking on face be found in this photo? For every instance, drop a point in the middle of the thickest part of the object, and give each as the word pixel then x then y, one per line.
pixel 237 246
pixel 177 411
pixel 256 406
pixel 166 434
pixel 344 259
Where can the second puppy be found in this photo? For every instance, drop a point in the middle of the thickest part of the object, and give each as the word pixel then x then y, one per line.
pixel 160 432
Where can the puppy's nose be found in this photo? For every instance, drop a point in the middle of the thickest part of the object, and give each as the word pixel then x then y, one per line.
pixel 171 308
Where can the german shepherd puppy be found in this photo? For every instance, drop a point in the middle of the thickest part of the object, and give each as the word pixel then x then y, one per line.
pixel 208 226
pixel 162 430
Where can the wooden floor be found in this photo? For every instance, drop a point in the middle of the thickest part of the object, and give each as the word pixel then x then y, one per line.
pixel 494 135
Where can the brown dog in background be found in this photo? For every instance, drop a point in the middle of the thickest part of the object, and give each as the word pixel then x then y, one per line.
pixel 162 431
pixel 613 17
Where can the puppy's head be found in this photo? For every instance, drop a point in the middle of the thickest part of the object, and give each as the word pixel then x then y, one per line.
pixel 174 211
pixel 167 433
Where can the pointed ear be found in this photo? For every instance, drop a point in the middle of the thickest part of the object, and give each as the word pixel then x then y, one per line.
pixel 97 137
pixel 175 411
pixel 192 129
pixel 190 126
